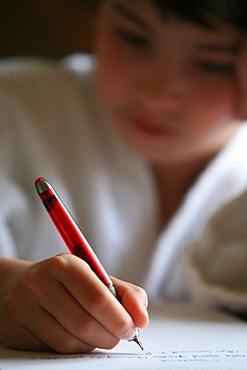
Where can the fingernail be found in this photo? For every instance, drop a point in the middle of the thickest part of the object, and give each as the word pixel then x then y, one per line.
pixel 144 307
pixel 129 334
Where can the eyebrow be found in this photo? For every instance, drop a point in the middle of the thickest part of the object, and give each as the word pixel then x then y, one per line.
pixel 126 13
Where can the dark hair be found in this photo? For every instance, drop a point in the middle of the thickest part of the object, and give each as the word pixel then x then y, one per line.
pixel 200 12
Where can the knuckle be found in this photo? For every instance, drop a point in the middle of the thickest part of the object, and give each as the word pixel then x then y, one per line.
pixel 65 264
pixel 141 294
pixel 140 291
pixel 83 327
pixel 123 328
pixel 60 265
pixel 99 301
pixel 59 262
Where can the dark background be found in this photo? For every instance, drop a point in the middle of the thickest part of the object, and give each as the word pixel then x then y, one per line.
pixel 46 28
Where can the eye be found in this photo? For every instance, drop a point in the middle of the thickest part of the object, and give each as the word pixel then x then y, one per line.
pixel 217 68
pixel 130 37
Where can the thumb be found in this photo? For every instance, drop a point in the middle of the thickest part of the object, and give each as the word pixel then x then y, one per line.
pixel 135 301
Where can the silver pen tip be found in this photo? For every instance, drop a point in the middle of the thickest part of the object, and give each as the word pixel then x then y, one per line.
pixel 137 340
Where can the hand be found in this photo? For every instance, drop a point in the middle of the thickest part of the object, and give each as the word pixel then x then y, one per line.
pixel 242 74
pixel 61 304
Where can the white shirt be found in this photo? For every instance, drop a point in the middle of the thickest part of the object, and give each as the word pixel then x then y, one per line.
pixel 52 125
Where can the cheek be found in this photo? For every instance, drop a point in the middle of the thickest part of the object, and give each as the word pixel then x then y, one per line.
pixel 217 101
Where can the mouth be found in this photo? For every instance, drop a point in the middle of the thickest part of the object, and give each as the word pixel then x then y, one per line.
pixel 152 128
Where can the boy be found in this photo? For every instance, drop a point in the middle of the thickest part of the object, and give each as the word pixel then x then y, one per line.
pixel 157 154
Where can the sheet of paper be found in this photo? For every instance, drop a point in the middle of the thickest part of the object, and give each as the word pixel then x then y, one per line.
pixel 176 338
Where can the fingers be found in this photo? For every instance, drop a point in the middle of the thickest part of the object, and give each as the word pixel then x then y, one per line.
pixel 61 304
pixel 135 301
pixel 32 312
pixel 55 335
pixel 97 300
pixel 41 331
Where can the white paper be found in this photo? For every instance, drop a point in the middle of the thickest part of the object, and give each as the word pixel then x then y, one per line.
pixel 176 338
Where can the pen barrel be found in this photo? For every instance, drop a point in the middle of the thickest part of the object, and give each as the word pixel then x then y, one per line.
pixel 72 235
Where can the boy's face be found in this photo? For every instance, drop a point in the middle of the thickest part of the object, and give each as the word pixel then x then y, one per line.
pixel 170 86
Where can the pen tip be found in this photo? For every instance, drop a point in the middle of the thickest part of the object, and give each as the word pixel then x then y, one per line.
pixel 137 340
pixel 139 343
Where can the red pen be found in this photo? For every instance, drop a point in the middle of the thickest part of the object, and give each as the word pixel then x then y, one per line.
pixel 73 236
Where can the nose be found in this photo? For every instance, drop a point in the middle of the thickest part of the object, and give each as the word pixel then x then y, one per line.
pixel 159 86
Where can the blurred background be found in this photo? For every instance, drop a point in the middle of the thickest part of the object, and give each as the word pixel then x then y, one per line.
pixel 46 28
